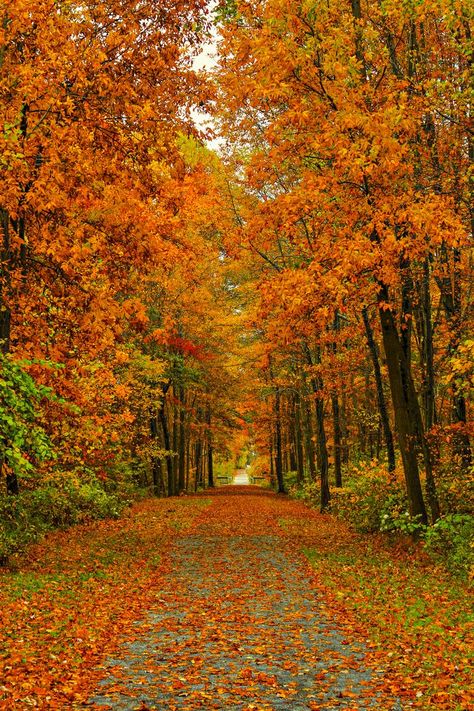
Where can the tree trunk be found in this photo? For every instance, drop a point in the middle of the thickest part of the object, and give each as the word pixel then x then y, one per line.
pixel 450 289
pixel 323 458
pixel 387 430
pixel 404 405
pixel 298 440
pixel 344 430
pixel 174 445
pixel 292 436
pixel 336 415
pixel 210 463
pixel 321 450
pixel 427 350
pixel 156 469
pixel 308 440
pixel 279 459
pixel 337 440
pixel 167 445
pixel 181 444
pixel 197 464
pixel 272 462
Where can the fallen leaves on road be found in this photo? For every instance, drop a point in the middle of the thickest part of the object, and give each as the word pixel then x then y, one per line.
pixel 77 598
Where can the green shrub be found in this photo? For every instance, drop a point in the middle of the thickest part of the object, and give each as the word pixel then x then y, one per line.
pixel 290 482
pixel 455 488
pixel 450 541
pixel 56 504
pixel 308 490
pixel 94 502
pixel 368 495
pixel 17 529
pixel 395 516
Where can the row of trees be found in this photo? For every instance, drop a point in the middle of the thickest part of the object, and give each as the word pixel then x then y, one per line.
pixel 351 135
pixel 111 288
pixel 155 299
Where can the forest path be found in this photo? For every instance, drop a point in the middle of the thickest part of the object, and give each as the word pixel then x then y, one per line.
pixel 241 478
pixel 238 623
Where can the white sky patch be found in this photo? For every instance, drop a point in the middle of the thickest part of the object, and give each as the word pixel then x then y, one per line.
pixel 207 60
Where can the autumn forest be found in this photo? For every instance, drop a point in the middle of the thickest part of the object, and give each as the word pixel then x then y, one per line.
pixel 236 236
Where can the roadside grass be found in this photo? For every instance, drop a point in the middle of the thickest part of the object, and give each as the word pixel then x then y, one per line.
pixel 414 615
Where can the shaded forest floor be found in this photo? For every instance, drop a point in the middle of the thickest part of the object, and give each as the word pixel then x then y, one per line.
pixel 239 600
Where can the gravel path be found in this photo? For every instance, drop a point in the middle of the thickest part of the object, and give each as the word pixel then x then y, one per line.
pixel 237 626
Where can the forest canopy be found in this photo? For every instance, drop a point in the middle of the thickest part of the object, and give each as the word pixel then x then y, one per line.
pixel 298 300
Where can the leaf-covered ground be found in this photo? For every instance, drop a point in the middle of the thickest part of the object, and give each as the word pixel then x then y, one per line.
pixel 242 600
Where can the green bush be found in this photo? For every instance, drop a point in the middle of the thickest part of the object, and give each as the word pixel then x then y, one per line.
pixel 395 516
pixel 308 490
pixel 64 502
pixel 455 488
pixel 450 541
pixel 17 529
pixel 290 482
pixel 369 499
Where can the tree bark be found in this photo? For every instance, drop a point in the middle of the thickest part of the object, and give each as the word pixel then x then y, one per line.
pixel 344 430
pixel 337 440
pixel 404 404
pixel 321 450
pixel 198 470
pixel 279 458
pixel 272 461
pixel 450 289
pixel 298 440
pixel 167 445
pixel 336 414
pixel 210 463
pixel 181 443
pixel 387 430
pixel 156 469
pixel 292 436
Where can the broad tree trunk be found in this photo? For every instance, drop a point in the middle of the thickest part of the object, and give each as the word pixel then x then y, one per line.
pixel 404 405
